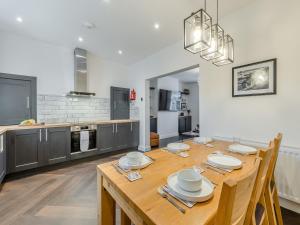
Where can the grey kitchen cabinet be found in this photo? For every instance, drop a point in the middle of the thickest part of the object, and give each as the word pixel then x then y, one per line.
pixel 33 148
pixel 17 98
pixel 184 124
pixel 2 157
pixel 24 149
pixel 57 145
pixel 105 137
pixel 122 135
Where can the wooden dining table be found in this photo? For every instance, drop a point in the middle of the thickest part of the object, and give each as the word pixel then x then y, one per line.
pixel 140 202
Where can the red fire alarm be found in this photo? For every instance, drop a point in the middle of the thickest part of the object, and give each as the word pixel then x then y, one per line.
pixel 132 95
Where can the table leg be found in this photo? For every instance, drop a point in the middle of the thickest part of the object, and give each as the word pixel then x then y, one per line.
pixel 124 218
pixel 106 204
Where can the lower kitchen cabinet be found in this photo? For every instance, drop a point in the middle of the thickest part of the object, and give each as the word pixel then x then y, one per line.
pixel 2 157
pixel 122 136
pixel 112 137
pixel 32 148
pixel 24 149
pixel 57 144
pixel 105 137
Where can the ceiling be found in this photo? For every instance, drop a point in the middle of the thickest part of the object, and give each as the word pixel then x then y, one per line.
pixel 126 25
pixel 188 76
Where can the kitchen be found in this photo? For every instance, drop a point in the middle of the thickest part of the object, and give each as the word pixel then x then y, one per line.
pixel 75 103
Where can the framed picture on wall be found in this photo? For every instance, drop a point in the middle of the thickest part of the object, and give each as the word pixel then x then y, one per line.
pixel 254 79
pixel 183 106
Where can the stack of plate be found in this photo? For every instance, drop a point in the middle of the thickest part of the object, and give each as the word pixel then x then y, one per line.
pixel 202 140
pixel 190 187
pixel 242 149
pixel 134 160
pixel 224 161
pixel 177 147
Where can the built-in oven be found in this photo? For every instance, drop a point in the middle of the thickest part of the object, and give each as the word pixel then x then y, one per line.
pixel 90 134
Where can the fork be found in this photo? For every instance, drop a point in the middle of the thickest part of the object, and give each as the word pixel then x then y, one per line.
pixel 165 195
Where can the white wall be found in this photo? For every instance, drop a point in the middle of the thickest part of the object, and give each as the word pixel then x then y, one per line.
pixel 54 66
pixel 167 122
pixel 262 30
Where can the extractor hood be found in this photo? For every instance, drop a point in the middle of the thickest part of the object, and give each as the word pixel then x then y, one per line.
pixel 80 74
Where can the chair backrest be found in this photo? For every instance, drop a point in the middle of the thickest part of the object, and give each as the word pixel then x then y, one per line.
pixel 235 197
pixel 260 183
pixel 277 143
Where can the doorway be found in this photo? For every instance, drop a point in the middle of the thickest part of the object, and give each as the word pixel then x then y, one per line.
pixel 174 106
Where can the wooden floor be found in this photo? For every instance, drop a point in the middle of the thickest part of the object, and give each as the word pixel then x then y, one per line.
pixel 61 196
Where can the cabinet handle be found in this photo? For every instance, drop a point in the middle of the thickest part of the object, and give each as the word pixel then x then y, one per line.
pixel 116 128
pixel 46 135
pixel 131 127
pixel 27 102
pixel 40 135
pixel 113 128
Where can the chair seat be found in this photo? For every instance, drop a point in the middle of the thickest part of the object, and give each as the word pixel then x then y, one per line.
pixel 259 213
pixel 154 135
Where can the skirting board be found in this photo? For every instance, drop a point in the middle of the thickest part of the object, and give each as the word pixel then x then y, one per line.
pixel 295 207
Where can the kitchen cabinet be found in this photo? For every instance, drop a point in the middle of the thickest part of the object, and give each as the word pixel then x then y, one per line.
pixel 25 149
pixel 32 148
pixel 105 137
pixel 118 136
pixel 2 157
pixel 184 124
pixel 57 145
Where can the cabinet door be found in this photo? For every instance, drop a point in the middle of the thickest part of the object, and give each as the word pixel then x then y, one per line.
pixel 24 149
pixel 188 123
pixel 2 157
pixel 57 145
pixel 105 137
pixel 134 135
pixel 181 125
pixel 122 135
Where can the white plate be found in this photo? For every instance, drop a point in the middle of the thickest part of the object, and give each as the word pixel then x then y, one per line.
pixel 202 140
pixel 224 161
pixel 206 192
pixel 123 163
pixel 243 149
pixel 177 147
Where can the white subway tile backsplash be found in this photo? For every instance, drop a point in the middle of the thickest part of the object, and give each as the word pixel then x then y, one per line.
pixel 61 109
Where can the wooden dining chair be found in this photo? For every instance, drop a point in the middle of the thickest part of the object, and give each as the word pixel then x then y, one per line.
pixel 256 213
pixel 271 194
pixel 235 197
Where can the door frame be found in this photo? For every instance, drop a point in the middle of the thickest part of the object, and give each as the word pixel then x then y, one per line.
pixel 33 89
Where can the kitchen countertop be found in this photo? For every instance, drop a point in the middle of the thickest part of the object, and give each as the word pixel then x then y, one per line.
pixel 3 129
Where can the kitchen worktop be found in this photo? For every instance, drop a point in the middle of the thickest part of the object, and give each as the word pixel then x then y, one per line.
pixel 3 129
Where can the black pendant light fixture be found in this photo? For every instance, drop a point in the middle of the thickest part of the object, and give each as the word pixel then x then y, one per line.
pixel 200 36
pixel 217 41
pixel 197 31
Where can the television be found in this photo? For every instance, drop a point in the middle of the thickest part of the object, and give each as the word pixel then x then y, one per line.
pixel 169 100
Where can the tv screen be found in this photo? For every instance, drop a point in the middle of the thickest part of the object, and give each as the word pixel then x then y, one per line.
pixel 169 100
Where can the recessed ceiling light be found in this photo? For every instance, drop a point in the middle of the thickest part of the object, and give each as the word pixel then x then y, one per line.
pixel 120 52
pixel 19 19
pixel 80 39
pixel 89 25
pixel 156 26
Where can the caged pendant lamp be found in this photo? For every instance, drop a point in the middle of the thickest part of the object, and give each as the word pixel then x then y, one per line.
pixel 228 53
pixel 217 41
pixel 197 31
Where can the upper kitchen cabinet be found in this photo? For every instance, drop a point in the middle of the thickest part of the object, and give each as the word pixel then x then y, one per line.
pixel 24 149
pixel 119 103
pixel 18 95
pixel 57 142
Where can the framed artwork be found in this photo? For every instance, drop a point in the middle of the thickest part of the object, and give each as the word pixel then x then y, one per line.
pixel 183 106
pixel 254 79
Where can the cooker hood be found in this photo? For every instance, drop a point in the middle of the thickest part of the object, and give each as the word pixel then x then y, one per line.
pixel 80 74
